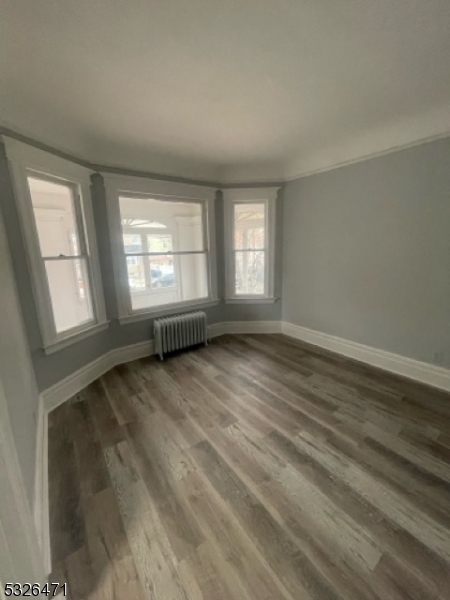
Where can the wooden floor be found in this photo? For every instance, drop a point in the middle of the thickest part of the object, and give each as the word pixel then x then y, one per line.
pixel 256 468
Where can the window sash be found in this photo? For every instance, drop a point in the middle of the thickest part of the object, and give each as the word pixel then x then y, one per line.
pixel 143 232
pixel 265 249
pixel 258 251
pixel 147 287
pixel 77 207
pixel 240 227
pixel 43 282
pixel 88 300
pixel 246 196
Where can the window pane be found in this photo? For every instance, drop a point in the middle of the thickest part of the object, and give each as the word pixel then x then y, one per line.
pixel 162 272
pixel 69 292
pixel 249 226
pixel 159 243
pixel 136 273
pixel 180 220
pixel 54 212
pixel 193 276
pixel 249 268
pixel 133 243
pixel 169 279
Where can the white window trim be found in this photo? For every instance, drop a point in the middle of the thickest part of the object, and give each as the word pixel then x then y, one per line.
pixel 117 185
pixel 25 160
pixel 268 197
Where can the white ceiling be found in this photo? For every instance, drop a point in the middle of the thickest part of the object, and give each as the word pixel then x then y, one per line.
pixel 229 89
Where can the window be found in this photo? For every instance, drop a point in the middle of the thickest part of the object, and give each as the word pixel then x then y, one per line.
pixel 163 245
pixel 59 223
pixel 165 251
pixel 56 217
pixel 249 248
pixel 250 216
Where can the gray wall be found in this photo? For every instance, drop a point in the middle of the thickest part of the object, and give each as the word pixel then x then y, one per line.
pixel 16 370
pixel 366 253
pixel 52 368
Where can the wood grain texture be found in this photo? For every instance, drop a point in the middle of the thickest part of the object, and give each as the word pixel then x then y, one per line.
pixel 257 468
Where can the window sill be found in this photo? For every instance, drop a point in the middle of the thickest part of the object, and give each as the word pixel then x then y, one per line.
pixel 169 309
pixel 250 300
pixel 76 337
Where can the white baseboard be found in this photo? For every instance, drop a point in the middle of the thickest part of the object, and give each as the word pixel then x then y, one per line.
pixel 216 330
pixel 41 506
pixel 401 365
pixel 236 327
pixel 19 548
pixel 71 385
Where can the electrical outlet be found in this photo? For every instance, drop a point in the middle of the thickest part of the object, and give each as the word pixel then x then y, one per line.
pixel 437 358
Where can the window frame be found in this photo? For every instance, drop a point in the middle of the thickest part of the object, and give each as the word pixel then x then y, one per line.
pixel 26 161
pixel 267 197
pixel 168 191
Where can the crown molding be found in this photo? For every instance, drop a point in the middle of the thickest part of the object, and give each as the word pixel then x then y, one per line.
pixel 224 185
pixel 260 184
pixel 42 145
pixel 6 132
pixel 121 172
pixel 370 156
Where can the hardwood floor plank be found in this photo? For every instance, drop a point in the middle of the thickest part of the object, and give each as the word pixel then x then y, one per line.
pixel 420 456
pixel 429 493
pixel 119 394
pixel 391 537
pixel 92 475
pixel 398 509
pixel 153 554
pixel 80 575
pixel 67 531
pixel 107 429
pixel 208 578
pixel 294 569
pixel 402 583
pixel 227 535
pixel 110 555
pixel 282 501
pixel 160 478
pixel 347 581
pixel 240 404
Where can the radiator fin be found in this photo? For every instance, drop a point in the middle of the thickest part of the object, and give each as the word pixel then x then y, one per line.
pixel 180 331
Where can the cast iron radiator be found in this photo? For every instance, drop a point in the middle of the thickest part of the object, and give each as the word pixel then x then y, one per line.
pixel 180 331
